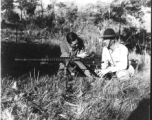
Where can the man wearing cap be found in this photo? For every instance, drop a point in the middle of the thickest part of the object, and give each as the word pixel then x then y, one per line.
pixel 114 57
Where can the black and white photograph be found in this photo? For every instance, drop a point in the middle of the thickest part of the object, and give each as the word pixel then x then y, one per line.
pixel 75 59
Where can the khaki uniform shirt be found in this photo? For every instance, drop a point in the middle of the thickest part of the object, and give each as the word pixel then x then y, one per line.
pixel 116 58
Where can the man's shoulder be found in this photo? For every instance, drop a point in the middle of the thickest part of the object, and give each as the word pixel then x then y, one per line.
pixel 81 43
pixel 121 45
pixel 64 46
pixel 63 43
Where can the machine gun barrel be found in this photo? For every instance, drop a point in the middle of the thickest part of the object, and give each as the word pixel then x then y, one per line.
pixel 60 59
pixel 53 59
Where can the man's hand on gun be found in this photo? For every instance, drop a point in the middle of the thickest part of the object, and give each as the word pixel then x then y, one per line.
pixel 101 73
pixel 82 54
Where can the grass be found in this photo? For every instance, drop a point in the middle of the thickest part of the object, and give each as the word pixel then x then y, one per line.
pixel 34 97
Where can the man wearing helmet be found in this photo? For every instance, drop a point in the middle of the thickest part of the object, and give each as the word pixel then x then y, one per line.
pixel 114 57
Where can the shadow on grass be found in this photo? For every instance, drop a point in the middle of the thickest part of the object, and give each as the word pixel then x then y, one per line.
pixel 11 50
pixel 142 112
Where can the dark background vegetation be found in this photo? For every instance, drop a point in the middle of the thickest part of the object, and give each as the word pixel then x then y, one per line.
pixel 11 50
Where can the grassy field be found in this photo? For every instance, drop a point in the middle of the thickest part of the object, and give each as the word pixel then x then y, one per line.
pixel 37 96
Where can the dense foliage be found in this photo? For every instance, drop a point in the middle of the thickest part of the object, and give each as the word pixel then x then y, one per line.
pixel 126 17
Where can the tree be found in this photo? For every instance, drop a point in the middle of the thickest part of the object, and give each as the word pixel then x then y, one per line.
pixel 103 12
pixel 9 15
pixel 21 4
pixel 42 9
pixel 7 5
pixel 62 8
pixel 30 11
pixel 30 8
pixel 13 17
pixel 72 13
pixel 7 8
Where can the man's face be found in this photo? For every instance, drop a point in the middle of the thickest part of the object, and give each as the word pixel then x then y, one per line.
pixel 74 44
pixel 106 42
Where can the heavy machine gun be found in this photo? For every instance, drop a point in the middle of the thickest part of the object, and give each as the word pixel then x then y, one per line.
pixel 55 60
pixel 90 61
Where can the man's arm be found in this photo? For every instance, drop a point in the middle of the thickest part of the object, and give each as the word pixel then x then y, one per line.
pixel 64 53
pixel 106 58
pixel 119 64
pixel 64 50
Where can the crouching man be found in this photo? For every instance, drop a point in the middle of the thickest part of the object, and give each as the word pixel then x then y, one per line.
pixel 114 57
pixel 73 46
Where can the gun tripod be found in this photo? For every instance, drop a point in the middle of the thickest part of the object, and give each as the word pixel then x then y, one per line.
pixel 70 71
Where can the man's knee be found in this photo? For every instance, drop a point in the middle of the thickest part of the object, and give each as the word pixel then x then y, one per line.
pixel 87 73
pixel 131 70
pixel 61 66
pixel 123 74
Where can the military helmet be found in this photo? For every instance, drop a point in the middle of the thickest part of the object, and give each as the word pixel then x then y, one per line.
pixel 109 33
